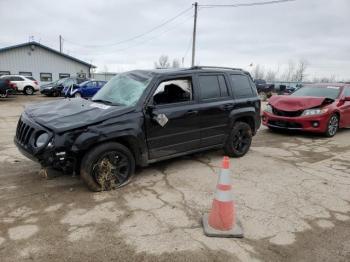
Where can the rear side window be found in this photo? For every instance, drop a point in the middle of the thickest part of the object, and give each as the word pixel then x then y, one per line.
pixel 241 86
pixel 212 86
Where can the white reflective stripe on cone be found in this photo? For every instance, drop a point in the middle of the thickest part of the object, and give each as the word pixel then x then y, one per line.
pixel 223 196
pixel 225 177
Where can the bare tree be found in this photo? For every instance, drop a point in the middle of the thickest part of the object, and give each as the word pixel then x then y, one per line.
pixel 289 72
pixel 258 72
pixel 271 75
pixel 299 74
pixel 163 62
pixel 176 63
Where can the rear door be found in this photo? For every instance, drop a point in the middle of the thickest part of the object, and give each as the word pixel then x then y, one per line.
pixel 216 104
pixel 171 118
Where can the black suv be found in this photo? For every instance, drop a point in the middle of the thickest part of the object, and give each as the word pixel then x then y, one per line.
pixel 140 117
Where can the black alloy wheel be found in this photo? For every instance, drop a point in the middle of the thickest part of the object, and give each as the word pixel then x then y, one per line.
pixel 239 140
pixel 107 167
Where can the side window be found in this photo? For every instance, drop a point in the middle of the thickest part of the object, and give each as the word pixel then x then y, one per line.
pixel 16 78
pixel 212 86
pixel 173 91
pixel 241 86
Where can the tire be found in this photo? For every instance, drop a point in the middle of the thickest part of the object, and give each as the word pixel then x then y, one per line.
pixel 332 126
pixel 77 95
pixel 3 95
pixel 55 93
pixel 28 91
pixel 97 164
pixel 239 140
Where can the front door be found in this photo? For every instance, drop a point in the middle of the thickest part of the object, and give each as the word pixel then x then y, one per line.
pixel 171 118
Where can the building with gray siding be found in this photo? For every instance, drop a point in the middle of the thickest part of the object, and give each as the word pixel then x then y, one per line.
pixel 43 63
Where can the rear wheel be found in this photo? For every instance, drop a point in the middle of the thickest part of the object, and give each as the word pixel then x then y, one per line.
pixel 332 126
pixel 107 166
pixel 28 90
pixel 239 140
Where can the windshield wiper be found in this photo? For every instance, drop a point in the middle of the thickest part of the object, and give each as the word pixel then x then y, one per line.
pixel 106 102
pixel 102 101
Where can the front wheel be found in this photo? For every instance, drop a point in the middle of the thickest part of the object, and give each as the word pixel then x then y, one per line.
pixel 239 140
pixel 332 126
pixel 107 166
pixel 28 90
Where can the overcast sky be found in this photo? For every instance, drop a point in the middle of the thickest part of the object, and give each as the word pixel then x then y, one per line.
pixel 272 35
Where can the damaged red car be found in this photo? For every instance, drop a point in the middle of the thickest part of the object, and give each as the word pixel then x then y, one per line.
pixel 320 108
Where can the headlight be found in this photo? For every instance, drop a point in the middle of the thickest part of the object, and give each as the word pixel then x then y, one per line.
pixel 268 109
pixel 314 111
pixel 41 140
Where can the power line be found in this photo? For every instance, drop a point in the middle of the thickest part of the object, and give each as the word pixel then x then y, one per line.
pixel 248 4
pixel 139 35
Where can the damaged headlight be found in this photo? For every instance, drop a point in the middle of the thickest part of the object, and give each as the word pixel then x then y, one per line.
pixel 41 139
pixel 314 111
pixel 268 108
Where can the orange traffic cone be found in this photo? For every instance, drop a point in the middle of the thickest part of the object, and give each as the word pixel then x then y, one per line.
pixel 222 221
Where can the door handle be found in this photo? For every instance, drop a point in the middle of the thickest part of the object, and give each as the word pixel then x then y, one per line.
pixel 192 112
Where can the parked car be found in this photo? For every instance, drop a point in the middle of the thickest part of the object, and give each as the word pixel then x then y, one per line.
pixel 263 86
pixel 6 88
pixel 85 89
pixel 55 88
pixel 141 117
pixel 25 84
pixel 321 108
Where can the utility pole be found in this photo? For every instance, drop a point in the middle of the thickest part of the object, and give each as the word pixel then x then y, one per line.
pixel 61 47
pixel 194 33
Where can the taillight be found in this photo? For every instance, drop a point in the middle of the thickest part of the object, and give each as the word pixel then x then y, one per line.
pixel 36 82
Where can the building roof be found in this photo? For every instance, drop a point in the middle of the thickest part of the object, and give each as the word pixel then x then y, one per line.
pixel 48 49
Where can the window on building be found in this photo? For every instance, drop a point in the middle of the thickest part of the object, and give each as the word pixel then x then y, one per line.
pixel 173 91
pixel 63 75
pixel 212 86
pixel 46 77
pixel 3 73
pixel 25 73
pixel 241 86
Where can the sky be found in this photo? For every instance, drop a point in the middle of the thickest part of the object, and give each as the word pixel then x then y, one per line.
pixel 115 35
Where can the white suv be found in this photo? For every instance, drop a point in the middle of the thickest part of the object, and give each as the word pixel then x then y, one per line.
pixel 26 84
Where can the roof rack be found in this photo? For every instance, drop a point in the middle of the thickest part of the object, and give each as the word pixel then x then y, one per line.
pixel 218 67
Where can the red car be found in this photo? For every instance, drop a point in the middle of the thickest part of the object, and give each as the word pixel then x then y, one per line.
pixel 321 108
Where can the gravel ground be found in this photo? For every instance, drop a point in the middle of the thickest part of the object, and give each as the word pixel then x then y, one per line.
pixel 292 193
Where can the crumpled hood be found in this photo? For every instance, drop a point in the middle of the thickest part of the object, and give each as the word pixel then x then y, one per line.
pixel 67 114
pixel 296 103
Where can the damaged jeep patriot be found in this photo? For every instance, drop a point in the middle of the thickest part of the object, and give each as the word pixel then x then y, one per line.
pixel 141 117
